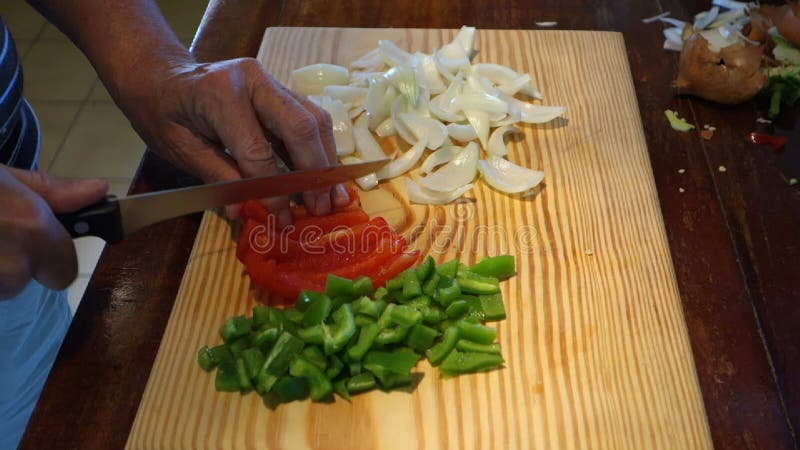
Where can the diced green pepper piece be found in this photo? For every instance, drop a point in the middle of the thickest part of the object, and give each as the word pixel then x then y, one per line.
pixel 253 360
pixel 406 316
pixel 339 287
pixel 363 305
pixel 335 366
pixel 472 283
pixel 277 318
pixel 476 332
pixel 411 286
pixel 221 353
pixel 319 385
pixel 448 269
pixel 500 267
pixel 293 316
pixel 306 298
pixel 315 356
pixel 286 347
pixel 237 346
pixel 387 379
pixel 340 387
pixel 386 317
pixel 362 382
pixel 362 321
pixel 472 347
pixel 392 335
pixel 366 337
pixel 227 377
pixel 448 294
pixel 421 337
pixel 243 376
pixel 396 283
pixel 260 316
pixel 399 361
pixel 317 311
pixel 432 315
pixel 457 309
pixel 363 286
pixel 264 339
pixel 493 307
pixel 354 367
pixel 475 312
pixel 430 286
pixel 290 389
pixel 419 302
pixel 235 327
pixel 380 293
pixel 206 359
pixel 342 330
pixel 312 335
pixel 439 352
pixel 457 362
pixel 425 269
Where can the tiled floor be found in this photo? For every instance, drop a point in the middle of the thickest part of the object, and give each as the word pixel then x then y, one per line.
pixel 84 134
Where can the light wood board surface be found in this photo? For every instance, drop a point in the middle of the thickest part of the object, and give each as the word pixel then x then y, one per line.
pixel 595 341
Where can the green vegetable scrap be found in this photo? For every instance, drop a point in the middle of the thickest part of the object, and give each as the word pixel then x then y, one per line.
pixel 783 88
pixel 354 338
pixel 677 123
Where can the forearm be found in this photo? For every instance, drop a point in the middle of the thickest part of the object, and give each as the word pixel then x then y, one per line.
pixel 127 41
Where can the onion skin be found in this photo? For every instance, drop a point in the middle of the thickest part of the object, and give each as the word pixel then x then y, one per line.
pixel 729 76
pixel 787 20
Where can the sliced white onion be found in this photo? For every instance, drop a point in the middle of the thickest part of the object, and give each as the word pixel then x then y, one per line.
pixel 531 113
pixel 428 74
pixel 355 112
pixel 466 39
pixel 456 173
pixel 442 156
pixel 355 96
pixel 375 103
pixel 369 62
pixel 497 145
pixel 480 121
pixel 463 132
pixel 366 145
pixel 453 58
pixel 496 73
pixel 704 19
pixel 419 194
pixel 392 54
pixel 386 128
pixel 481 102
pixel 361 79
pixel 402 164
pixel 440 66
pixel 426 129
pixel 342 126
pixel 514 116
pixel 312 79
pixel 508 177
pixel 398 107
pixel 445 115
pixel 366 182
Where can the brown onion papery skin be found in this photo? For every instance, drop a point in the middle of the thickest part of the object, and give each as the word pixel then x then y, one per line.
pixel 787 20
pixel 729 76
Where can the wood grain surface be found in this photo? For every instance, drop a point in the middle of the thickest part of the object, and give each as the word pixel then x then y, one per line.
pixel 595 341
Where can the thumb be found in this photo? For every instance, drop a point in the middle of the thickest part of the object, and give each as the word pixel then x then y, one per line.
pixel 63 195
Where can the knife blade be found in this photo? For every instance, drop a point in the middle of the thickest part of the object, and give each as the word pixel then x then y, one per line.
pixel 114 218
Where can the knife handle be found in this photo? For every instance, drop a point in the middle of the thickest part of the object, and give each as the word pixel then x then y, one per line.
pixel 101 219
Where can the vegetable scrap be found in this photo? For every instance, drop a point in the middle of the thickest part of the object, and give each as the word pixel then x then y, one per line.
pixel 442 102
pixel 707 134
pixel 792 181
pixel 681 171
pixel 736 50
pixel 776 142
pixel 681 190
pixel 677 123
pixel 722 169
pixel 351 338
pixel 546 24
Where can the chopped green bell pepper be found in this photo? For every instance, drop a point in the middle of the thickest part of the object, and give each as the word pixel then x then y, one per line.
pixel 421 337
pixel 500 267
pixel 319 385
pixel 472 347
pixel 425 269
pixel 457 362
pixel 439 352
pixel 476 332
pixel 493 307
pixel 362 382
pixel 366 337
pixel 339 287
pixel 235 327
pixel 290 389
pixel 406 316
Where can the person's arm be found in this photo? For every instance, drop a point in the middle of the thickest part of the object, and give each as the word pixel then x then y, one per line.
pixel 189 112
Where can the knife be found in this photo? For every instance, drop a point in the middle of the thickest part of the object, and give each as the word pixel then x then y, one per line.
pixel 114 218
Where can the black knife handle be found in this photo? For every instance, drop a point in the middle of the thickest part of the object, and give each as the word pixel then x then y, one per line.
pixel 101 219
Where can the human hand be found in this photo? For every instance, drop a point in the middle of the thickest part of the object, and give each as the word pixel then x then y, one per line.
pixel 192 112
pixel 33 244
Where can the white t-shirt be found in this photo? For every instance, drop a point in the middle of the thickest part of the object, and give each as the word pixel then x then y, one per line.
pixel 32 327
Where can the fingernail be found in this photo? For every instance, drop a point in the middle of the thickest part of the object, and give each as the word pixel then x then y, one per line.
pixel 340 195
pixel 284 218
pixel 323 204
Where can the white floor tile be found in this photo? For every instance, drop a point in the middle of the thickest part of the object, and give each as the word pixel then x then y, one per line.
pixel 54 120
pixel 89 250
pixel 100 144
pixel 23 21
pixel 76 290
pixel 57 71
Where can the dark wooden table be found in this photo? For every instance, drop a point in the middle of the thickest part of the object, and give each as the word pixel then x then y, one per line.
pixel 734 234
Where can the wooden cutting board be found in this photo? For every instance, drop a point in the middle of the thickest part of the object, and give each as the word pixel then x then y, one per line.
pixel 595 341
